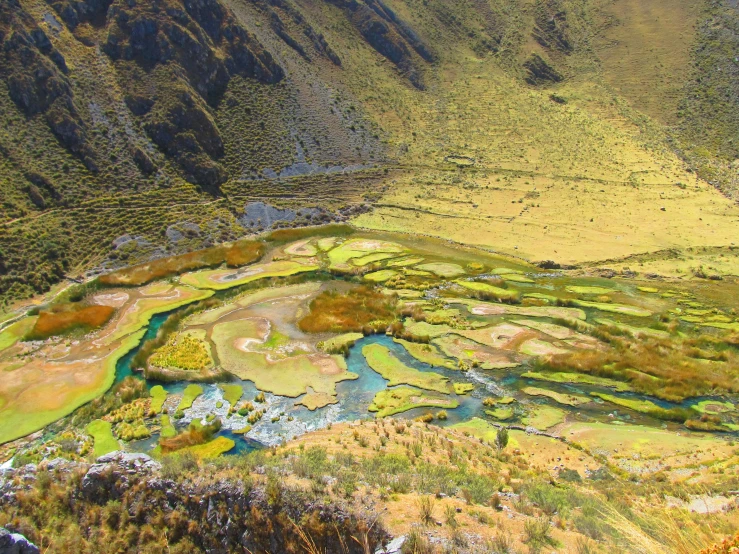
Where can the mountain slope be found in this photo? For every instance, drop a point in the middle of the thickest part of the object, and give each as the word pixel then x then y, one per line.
pixel 556 129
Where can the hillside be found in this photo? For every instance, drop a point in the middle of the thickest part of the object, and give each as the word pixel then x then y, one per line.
pixel 557 130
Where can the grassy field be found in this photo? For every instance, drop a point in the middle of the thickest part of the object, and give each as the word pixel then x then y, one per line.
pixel 102 435
pixel 401 399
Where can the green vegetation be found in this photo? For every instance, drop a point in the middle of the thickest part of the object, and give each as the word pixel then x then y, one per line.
pixel 582 289
pixel 575 378
pixel 490 291
pixel 188 350
pixel 426 353
pixel 189 395
pixel 16 331
pixel 646 407
pixel 168 430
pixel 543 417
pixel 102 435
pixel 219 279
pixel 340 344
pixel 232 394
pixel 443 269
pixel 381 359
pixel 380 276
pixel 158 396
pixel 614 308
pixel 560 398
pixel 463 388
pixel 713 407
pixel 401 399
pixel 502 414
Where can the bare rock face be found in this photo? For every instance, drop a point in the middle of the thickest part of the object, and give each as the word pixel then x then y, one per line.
pixel 13 543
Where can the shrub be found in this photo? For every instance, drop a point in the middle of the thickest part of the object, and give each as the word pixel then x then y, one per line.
pixel 361 309
pixel 64 318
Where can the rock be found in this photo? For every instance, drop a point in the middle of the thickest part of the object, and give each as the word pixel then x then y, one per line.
pixel 13 543
pixel 394 546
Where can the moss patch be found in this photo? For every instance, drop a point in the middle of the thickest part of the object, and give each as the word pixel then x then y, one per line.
pixel 496 292
pixel 210 450
pixel 502 414
pixel 543 417
pixel 401 399
pixel 463 388
pixel 191 392
pixel 380 276
pixel 614 308
pixel 576 378
pixel 446 270
pixel 315 400
pixel 158 395
pixel 168 431
pixel 221 279
pixel 426 353
pixel 382 360
pixel 232 393
pixel 713 407
pixel 561 398
pixel 102 435
pixel 15 332
pixel 339 344
pixel 582 289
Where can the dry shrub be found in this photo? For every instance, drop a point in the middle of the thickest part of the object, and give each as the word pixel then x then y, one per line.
pixel 244 252
pixel 361 309
pixel 66 317
pixel 195 434
pixel 240 253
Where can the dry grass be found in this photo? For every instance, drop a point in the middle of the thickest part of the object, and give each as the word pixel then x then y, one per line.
pixel 361 309
pixel 66 317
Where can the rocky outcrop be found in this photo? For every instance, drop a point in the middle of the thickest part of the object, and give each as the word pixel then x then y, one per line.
pixel 13 543
pixel 35 73
pixel 551 28
pixel 389 35
pixel 217 512
pixel 540 72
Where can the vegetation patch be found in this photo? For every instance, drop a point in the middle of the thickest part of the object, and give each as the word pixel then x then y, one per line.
pixel 559 397
pixel 401 399
pixel 187 350
pixel 614 308
pixel 463 388
pixel 290 375
pixel 102 435
pixel 380 276
pixel 232 393
pixel 646 407
pixel 340 256
pixel 219 279
pixel 382 360
pixel 67 317
pixel 536 347
pixel 502 414
pixel 634 331
pixel 167 429
pixel 360 309
pixel 471 353
pixel 583 289
pixel 158 395
pixel 371 258
pixel 340 344
pixel 426 353
pixel 237 254
pixel 713 407
pixel 543 417
pixel 16 331
pixel 316 400
pixel 189 395
pixel 486 308
pixel 490 291
pixel 576 378
pixel 443 269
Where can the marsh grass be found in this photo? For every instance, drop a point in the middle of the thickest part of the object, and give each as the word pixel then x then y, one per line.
pixel 282 236
pixel 240 253
pixel 63 318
